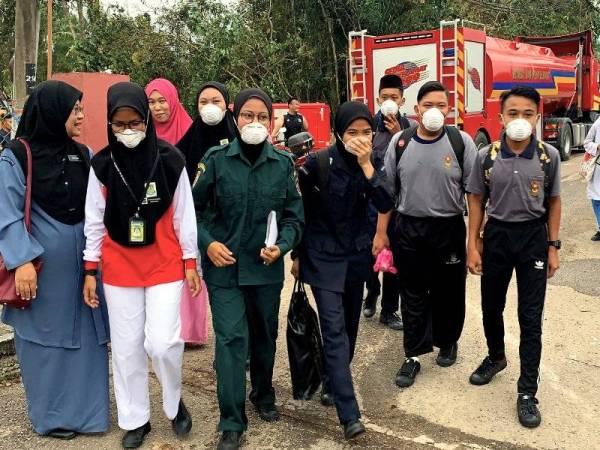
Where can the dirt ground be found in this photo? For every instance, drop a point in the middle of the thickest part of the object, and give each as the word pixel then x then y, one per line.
pixel 442 410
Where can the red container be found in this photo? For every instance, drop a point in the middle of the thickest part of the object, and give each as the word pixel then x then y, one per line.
pixel 318 116
pixel 94 87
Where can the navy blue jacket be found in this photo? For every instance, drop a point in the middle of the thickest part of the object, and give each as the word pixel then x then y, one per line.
pixel 336 246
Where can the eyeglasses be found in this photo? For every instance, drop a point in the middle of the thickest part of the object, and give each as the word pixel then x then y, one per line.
pixel 249 116
pixel 120 126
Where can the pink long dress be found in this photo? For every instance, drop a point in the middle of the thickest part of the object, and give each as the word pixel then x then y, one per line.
pixel 193 310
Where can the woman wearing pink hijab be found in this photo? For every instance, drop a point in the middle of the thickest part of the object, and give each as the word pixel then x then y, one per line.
pixel 171 122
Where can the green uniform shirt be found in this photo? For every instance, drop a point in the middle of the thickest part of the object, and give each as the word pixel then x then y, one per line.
pixel 233 200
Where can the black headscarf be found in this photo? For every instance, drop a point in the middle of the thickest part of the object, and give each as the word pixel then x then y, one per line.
pixel 200 136
pixel 348 113
pixel 60 165
pixel 252 152
pixel 136 165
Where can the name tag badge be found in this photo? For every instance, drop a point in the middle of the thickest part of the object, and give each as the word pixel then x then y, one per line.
pixel 137 230
pixel 224 141
pixel 74 158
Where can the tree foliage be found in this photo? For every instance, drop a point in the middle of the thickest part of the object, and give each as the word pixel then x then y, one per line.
pixel 287 47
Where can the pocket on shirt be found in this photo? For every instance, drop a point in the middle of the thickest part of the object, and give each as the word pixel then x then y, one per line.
pixel 535 187
pixel 272 199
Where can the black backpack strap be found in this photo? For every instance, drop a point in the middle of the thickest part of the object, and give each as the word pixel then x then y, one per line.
pixel 545 161
pixel 403 141
pixel 323 170
pixel 458 144
pixel 488 164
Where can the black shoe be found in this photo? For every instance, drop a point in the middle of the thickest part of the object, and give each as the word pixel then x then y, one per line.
pixel 182 423
pixel 529 414
pixel 486 371
pixel 370 306
pixel 230 440
pixel 596 237
pixel 353 429
pixel 326 397
pixel 447 356
pixel 392 321
pixel 268 413
pixel 407 373
pixel 135 438
pixel 65 435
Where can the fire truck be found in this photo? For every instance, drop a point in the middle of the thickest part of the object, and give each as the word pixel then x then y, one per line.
pixel 477 68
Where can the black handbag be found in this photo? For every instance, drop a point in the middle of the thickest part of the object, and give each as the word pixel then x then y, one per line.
pixel 305 347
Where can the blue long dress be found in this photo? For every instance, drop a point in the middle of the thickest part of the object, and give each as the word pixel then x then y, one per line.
pixel 61 343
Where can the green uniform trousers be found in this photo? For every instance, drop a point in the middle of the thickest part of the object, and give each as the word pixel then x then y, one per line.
pixel 243 315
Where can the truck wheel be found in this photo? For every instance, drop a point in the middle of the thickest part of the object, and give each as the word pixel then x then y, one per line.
pixel 566 141
pixel 481 140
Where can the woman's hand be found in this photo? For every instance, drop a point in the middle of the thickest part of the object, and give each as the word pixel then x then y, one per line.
pixel 380 241
pixel 220 255
pixel 194 282
pixel 89 292
pixel 270 254
pixel 295 271
pixel 26 281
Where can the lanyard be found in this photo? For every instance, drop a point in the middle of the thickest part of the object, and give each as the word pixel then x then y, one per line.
pixel 138 202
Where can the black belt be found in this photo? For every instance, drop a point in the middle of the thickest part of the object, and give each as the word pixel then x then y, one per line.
pixel 523 224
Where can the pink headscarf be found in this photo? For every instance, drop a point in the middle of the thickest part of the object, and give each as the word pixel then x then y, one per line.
pixel 179 122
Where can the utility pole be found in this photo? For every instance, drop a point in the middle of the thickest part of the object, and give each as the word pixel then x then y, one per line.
pixel 27 26
pixel 49 40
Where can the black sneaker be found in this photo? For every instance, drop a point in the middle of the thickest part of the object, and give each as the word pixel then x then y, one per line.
pixel 392 321
pixel 529 414
pixel 268 413
pixel 447 356
pixel 407 373
pixel 486 371
pixel 326 396
pixel 353 429
pixel 230 440
pixel 596 237
pixel 182 423
pixel 135 438
pixel 370 305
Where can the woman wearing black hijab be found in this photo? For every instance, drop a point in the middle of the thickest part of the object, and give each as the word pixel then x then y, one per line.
pixel 140 223
pixel 239 187
pixel 334 257
pixel 213 127
pixel 60 342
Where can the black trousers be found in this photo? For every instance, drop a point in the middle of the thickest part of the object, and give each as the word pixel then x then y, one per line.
pixel 430 254
pixel 339 316
pixel 390 291
pixel 522 247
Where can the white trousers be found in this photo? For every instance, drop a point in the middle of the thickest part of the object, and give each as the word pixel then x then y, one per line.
pixel 144 322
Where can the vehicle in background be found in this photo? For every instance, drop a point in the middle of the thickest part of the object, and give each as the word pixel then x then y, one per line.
pixel 476 68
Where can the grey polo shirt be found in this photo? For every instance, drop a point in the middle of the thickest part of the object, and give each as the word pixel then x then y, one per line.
pixel 516 182
pixel 431 181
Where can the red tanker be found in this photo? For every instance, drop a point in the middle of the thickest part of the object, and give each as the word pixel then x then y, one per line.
pixel 477 68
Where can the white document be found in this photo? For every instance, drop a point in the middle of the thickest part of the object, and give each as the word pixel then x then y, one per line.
pixel 272 231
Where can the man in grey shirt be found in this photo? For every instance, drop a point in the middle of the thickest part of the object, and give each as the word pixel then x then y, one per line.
pixel 428 182
pixel 520 178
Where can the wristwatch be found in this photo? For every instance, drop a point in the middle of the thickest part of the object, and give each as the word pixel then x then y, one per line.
pixel 556 244
pixel 91 272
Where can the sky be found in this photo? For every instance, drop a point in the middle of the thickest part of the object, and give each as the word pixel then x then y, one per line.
pixel 135 7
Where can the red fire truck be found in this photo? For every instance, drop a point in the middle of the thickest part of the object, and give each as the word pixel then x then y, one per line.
pixel 477 68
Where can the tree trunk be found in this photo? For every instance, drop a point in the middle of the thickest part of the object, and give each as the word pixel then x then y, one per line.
pixel 336 74
pixel 27 27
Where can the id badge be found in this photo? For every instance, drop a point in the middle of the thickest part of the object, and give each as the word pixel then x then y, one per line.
pixel 137 230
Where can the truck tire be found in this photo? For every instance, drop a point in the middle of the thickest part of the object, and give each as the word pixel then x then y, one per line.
pixel 481 140
pixel 566 143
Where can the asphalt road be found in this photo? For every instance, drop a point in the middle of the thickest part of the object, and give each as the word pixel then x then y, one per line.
pixel 442 410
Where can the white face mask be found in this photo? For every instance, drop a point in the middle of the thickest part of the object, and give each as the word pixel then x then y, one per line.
pixel 211 114
pixel 130 138
pixel 433 119
pixel 389 107
pixel 254 133
pixel 518 129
